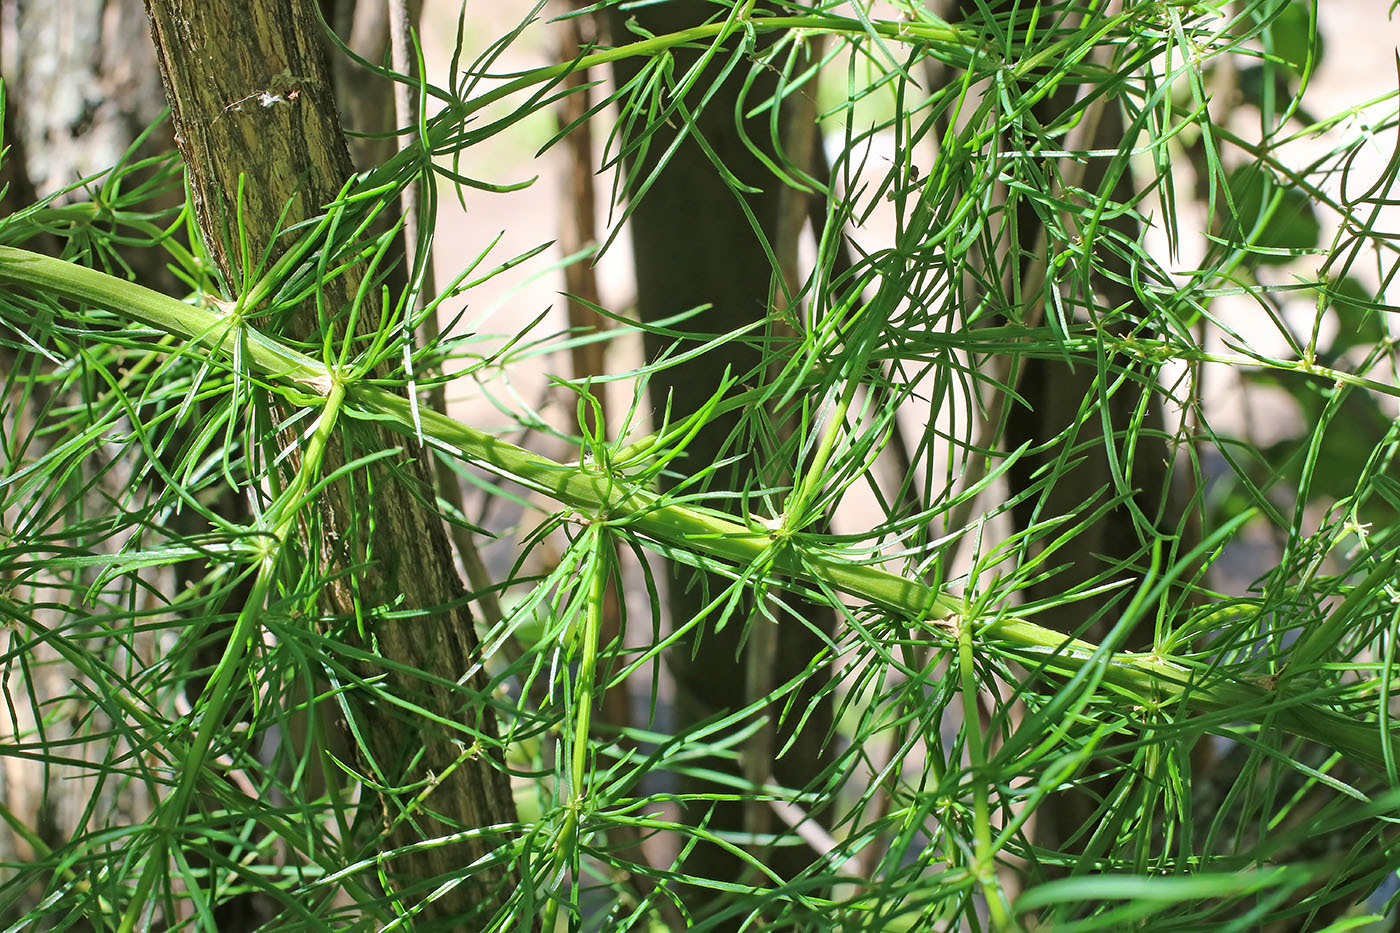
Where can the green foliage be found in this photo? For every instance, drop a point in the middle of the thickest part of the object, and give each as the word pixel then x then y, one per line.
pixel 202 674
pixel 1277 220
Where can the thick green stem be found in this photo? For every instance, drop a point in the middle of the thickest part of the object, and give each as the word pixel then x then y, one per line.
pixel 213 705
pixel 713 535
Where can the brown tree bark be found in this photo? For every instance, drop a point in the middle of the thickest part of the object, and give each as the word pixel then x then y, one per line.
pixel 79 78
pixel 251 100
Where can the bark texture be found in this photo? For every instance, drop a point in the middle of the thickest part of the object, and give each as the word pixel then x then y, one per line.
pixel 251 99
pixel 80 75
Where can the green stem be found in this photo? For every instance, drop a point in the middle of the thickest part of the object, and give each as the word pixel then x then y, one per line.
pixel 586 684
pixel 712 534
pixel 82 662
pixel 213 704
pixel 921 32
pixel 983 854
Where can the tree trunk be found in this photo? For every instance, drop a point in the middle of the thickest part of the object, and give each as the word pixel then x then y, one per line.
pixel 80 88
pixel 1056 394
pixel 251 100
pixel 692 245
pixel 80 80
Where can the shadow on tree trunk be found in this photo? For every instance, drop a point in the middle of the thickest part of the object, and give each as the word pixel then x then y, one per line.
pixel 694 245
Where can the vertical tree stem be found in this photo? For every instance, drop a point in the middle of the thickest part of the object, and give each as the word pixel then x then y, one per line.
pixel 251 101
